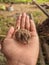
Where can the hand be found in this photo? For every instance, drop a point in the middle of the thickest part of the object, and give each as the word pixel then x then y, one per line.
pixel 19 54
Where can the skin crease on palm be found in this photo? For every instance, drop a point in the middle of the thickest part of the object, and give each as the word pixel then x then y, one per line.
pixel 19 54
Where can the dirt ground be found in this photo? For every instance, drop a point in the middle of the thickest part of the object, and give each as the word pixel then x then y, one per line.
pixel 19 8
pixel 38 15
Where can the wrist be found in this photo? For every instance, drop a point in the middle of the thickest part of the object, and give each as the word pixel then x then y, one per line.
pixel 9 62
pixel 14 63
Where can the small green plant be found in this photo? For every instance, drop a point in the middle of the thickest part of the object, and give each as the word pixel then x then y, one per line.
pixel 2 7
pixel 15 1
pixel 42 1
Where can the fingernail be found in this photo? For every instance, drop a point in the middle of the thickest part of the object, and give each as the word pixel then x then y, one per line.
pixel 20 14
pixel 27 16
pixel 23 14
pixel 19 17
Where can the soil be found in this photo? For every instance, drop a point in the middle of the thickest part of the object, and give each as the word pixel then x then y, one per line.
pixel 19 8
pixel 42 28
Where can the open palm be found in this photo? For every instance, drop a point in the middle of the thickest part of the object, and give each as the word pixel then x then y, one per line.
pixel 18 53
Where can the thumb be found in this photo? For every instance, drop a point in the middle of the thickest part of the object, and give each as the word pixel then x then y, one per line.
pixel 10 32
pixel 9 35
